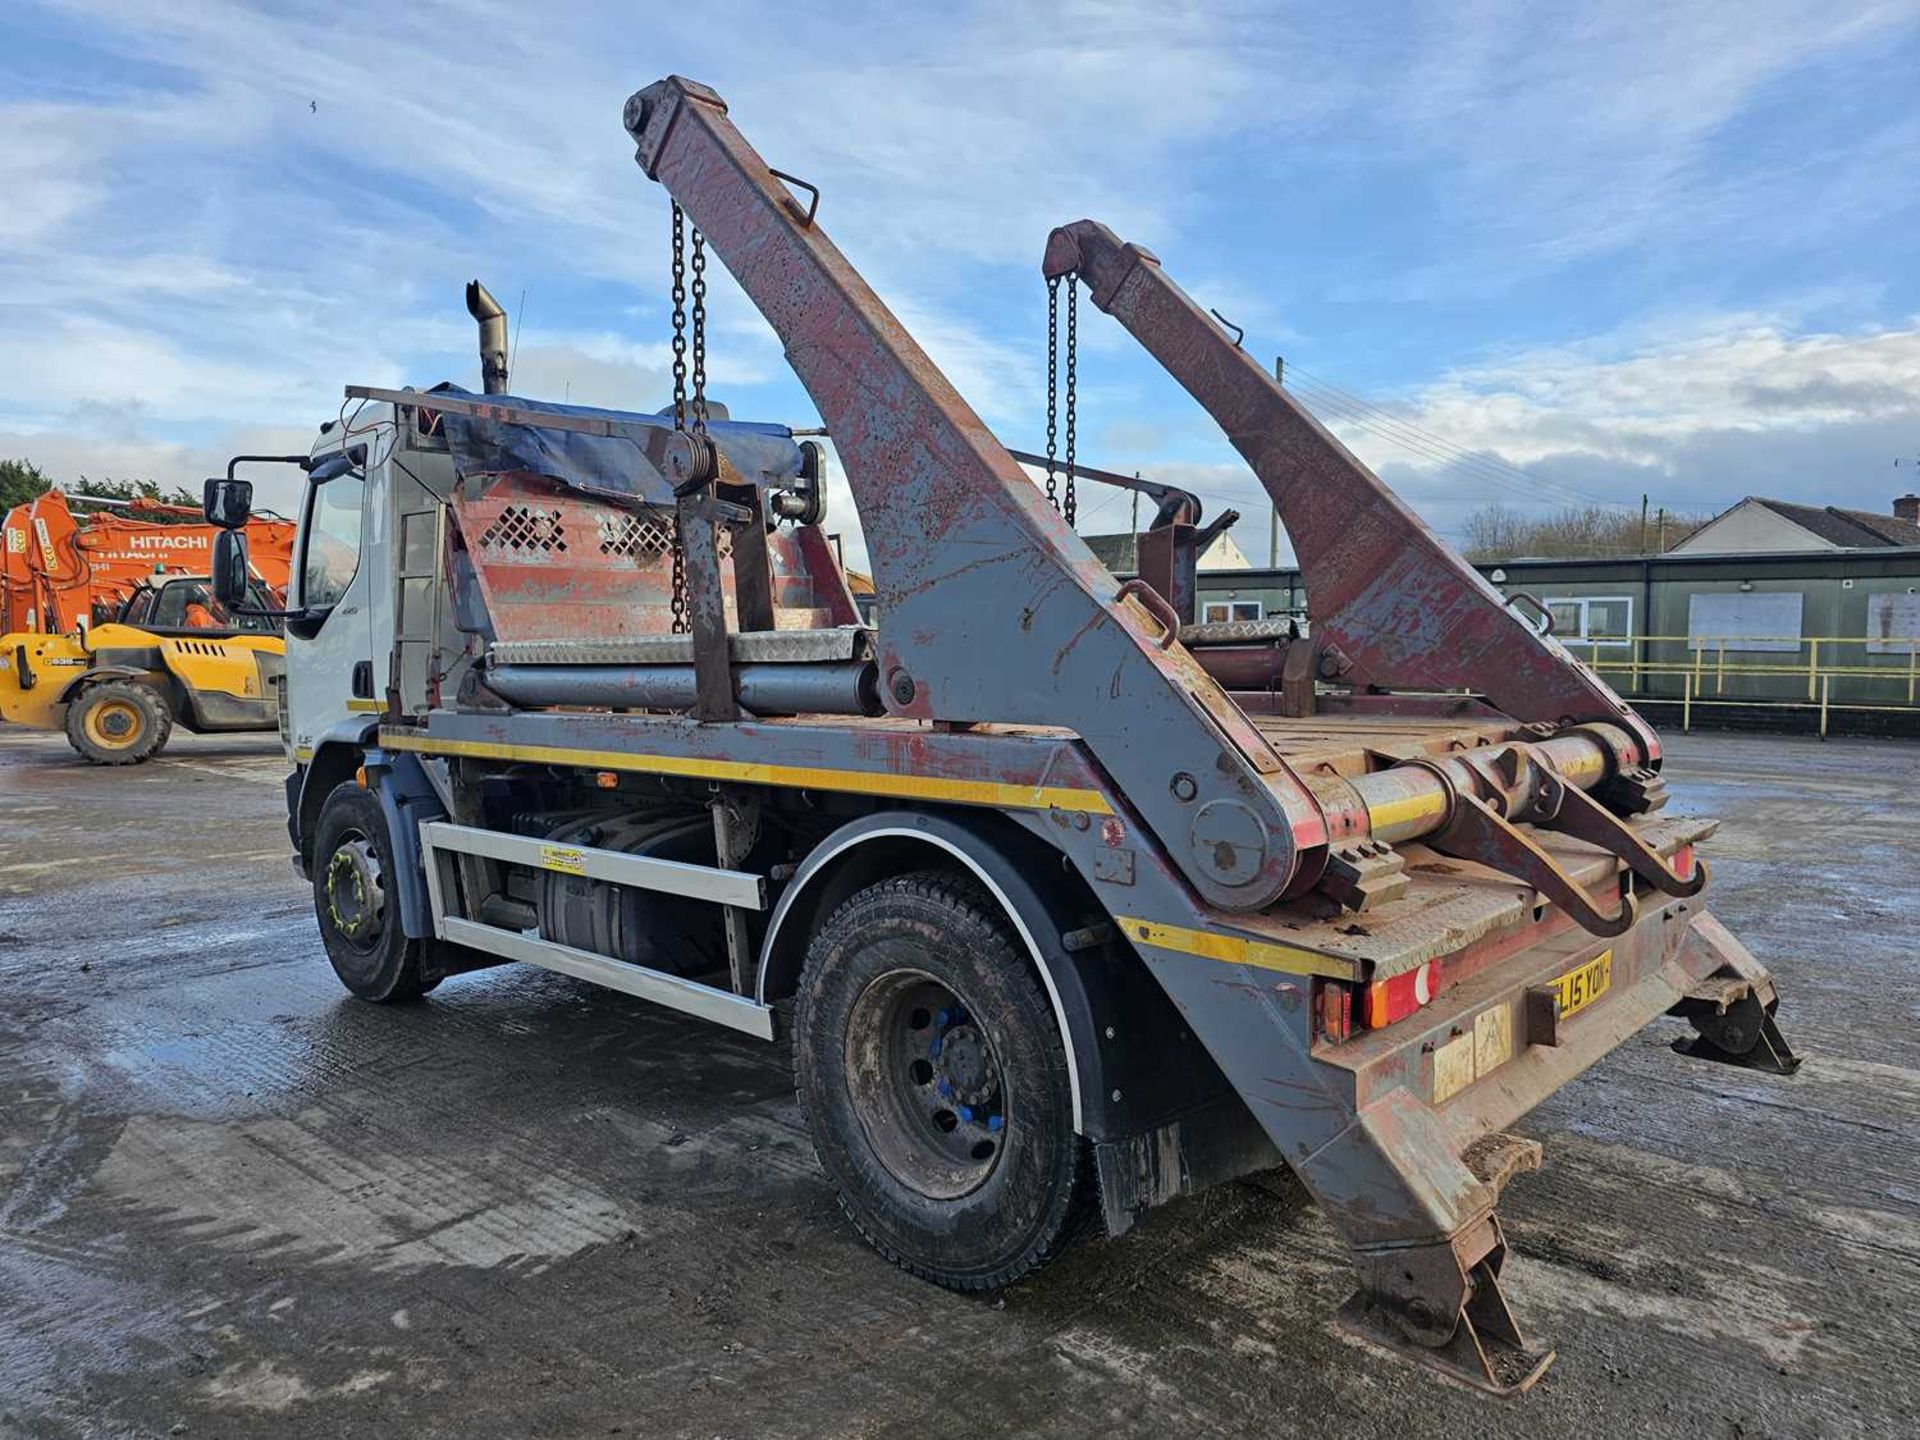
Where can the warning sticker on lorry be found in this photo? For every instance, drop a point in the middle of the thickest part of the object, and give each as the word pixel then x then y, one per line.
pixel 564 859
pixel 1474 1053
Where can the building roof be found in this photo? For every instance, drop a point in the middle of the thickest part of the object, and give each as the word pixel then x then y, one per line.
pixel 1120 554
pixel 1852 529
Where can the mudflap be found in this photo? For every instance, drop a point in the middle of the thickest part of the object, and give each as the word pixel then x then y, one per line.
pixel 1475 1338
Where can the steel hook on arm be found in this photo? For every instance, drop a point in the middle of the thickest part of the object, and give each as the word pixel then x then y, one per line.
pixel 805 217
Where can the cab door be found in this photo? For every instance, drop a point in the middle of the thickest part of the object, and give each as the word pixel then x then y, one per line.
pixel 329 673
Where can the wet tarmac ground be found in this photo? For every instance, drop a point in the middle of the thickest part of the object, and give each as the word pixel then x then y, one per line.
pixel 235 1202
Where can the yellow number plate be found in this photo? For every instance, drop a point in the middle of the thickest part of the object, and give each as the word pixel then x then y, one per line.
pixel 1579 988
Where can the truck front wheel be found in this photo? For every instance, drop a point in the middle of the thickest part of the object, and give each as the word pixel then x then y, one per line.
pixel 355 900
pixel 935 1084
pixel 118 722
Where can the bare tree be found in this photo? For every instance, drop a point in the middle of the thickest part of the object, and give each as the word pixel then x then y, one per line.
pixel 1499 532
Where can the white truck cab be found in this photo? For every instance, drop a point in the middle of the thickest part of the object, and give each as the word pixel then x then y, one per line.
pixel 364 615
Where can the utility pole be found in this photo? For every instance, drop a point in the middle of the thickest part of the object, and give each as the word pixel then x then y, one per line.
pixel 1273 516
pixel 1643 523
pixel 1660 545
pixel 1136 524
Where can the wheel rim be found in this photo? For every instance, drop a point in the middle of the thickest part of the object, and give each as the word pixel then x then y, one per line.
pixel 927 1085
pixel 113 724
pixel 356 892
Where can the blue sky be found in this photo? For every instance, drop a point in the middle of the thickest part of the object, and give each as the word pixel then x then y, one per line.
pixel 1603 250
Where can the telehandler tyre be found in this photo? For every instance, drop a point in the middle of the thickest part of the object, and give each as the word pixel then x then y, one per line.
pixel 118 722
pixel 359 916
pixel 933 1078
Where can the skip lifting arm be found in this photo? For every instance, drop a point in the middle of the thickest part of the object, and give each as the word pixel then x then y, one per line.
pixel 1392 605
pixel 996 611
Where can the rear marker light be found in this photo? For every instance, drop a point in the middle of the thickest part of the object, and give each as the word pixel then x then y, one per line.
pixel 1333 1003
pixel 1397 998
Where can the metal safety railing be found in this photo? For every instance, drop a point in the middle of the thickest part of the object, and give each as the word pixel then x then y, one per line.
pixel 1828 673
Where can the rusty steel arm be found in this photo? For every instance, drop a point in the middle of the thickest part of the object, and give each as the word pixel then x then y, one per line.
pixel 1402 610
pixel 993 608
pixel 1170 499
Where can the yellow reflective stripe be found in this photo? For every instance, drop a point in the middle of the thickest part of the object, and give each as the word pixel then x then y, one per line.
pixel 1399 812
pixel 856 782
pixel 364 707
pixel 1237 949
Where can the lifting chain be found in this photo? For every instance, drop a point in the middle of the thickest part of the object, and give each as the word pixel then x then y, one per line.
pixel 1065 504
pixel 1070 504
pixel 678 604
pixel 679 318
pixel 678 600
pixel 1053 389
pixel 699 333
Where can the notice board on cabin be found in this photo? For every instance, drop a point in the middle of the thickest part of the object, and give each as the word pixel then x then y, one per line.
pixel 1893 623
pixel 1765 620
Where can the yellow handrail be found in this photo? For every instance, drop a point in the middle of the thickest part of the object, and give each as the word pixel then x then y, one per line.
pixel 1835 669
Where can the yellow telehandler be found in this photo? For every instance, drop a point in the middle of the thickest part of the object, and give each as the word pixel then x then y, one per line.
pixel 173 654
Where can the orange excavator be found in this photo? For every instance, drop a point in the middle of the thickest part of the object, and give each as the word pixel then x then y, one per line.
pixel 60 572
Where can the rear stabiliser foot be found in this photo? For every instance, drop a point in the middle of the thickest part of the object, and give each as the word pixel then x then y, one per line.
pixel 1486 1349
pixel 1734 1027
pixel 1422 1303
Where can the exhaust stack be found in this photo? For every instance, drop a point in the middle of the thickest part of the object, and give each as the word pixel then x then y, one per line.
pixel 493 337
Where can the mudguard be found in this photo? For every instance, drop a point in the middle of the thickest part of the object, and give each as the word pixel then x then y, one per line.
pixel 1162 1118
pixel 407 798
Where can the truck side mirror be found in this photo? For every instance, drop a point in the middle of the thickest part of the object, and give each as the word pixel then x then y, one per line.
pixel 227 503
pixel 229 560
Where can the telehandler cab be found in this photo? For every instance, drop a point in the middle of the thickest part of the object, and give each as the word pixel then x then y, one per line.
pixel 1068 905
pixel 174 654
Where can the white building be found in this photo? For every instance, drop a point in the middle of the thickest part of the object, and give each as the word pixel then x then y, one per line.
pixel 1758 525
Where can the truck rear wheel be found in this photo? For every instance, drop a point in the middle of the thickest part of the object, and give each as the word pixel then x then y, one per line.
pixel 935 1084
pixel 355 901
pixel 118 722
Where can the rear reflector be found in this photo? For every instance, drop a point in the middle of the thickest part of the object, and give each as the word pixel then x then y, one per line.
pixel 1683 862
pixel 1395 999
pixel 1333 1005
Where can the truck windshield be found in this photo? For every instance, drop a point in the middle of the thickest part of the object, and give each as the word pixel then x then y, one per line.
pixel 331 548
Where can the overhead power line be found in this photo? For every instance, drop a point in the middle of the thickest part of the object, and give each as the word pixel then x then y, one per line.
pixel 1396 429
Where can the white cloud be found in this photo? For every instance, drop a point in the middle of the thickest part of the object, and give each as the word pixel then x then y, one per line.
pixel 1693 415
pixel 268 204
pixel 1751 376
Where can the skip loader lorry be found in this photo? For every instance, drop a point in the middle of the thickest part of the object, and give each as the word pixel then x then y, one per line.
pixel 1066 904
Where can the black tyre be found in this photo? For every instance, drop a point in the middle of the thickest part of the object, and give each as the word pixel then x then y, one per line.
pixel 934 1082
pixel 355 902
pixel 118 722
